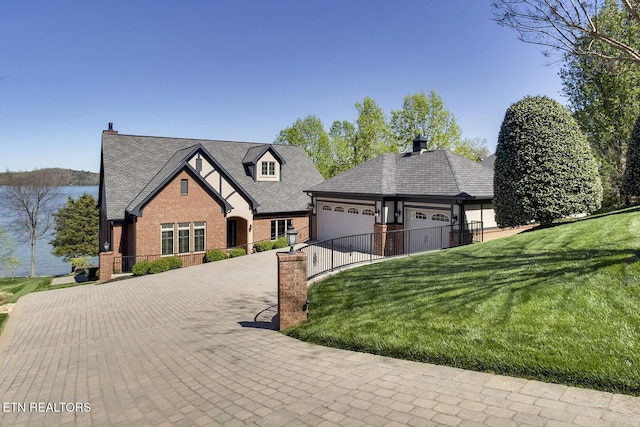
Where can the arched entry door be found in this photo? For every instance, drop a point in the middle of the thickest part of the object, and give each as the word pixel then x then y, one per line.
pixel 237 232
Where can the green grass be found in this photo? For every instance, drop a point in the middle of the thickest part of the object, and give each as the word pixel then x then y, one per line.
pixel 21 286
pixel 560 304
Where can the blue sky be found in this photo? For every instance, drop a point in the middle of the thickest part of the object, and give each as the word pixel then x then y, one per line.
pixel 243 70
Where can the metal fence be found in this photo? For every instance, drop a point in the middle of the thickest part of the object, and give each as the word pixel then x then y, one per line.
pixel 339 252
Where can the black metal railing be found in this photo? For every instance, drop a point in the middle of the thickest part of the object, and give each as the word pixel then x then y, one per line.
pixel 339 252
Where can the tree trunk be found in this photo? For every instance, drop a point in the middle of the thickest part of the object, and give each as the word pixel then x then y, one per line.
pixel 33 253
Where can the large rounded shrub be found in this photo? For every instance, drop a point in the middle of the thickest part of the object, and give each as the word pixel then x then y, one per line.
pixel 544 168
pixel 632 171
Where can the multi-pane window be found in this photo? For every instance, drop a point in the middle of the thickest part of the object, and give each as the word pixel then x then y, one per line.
pixel 368 212
pixel 184 229
pixel 268 168
pixel 184 187
pixel 167 239
pixel 199 236
pixel 440 217
pixel 279 227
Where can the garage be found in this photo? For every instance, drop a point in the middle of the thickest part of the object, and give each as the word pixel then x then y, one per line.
pixel 339 220
pixel 427 230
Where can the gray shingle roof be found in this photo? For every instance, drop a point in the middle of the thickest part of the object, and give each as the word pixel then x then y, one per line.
pixel 434 173
pixel 489 161
pixel 133 166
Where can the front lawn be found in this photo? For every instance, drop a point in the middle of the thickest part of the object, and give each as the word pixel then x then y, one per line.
pixel 560 305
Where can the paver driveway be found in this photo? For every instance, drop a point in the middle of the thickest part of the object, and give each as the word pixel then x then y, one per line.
pixel 185 348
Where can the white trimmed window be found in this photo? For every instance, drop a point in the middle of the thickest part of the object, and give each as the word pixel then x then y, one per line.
pixel 339 209
pixel 199 236
pixel 184 229
pixel 326 207
pixel 440 217
pixel 279 228
pixel 420 215
pixel 368 212
pixel 352 211
pixel 166 239
pixel 268 168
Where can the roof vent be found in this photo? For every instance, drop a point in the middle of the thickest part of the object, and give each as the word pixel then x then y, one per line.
pixel 420 144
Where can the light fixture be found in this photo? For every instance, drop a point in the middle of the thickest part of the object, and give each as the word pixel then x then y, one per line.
pixel 106 246
pixel 398 213
pixel 250 227
pixel 454 218
pixel 292 238
pixel 377 213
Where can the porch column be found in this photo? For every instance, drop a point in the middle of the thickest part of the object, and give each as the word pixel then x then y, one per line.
pixel 292 289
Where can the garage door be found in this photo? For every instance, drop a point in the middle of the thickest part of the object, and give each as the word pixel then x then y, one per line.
pixel 427 230
pixel 338 220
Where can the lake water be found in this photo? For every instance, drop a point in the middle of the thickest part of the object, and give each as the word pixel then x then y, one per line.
pixel 46 263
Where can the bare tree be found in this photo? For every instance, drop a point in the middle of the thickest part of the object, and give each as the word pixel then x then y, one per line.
pixel 30 199
pixel 570 26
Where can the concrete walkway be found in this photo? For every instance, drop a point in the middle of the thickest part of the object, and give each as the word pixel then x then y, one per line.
pixel 193 347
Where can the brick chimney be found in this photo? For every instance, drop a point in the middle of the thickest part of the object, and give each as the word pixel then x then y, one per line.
pixel 110 130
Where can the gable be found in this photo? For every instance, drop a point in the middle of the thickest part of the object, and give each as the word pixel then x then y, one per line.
pixel 134 166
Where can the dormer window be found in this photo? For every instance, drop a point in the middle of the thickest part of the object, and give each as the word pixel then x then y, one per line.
pixel 268 168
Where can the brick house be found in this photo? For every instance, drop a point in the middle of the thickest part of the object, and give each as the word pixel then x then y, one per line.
pixel 177 196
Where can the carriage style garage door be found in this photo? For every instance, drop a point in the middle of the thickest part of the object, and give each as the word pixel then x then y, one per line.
pixel 435 237
pixel 338 220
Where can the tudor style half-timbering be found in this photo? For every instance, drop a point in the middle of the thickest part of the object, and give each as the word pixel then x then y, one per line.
pixel 176 196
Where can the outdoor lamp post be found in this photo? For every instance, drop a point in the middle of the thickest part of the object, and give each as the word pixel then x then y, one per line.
pixel 292 238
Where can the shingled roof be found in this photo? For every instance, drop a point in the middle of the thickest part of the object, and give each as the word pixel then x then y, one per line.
pixel 438 173
pixel 134 166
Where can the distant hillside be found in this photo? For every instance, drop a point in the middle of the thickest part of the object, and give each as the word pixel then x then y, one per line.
pixel 68 176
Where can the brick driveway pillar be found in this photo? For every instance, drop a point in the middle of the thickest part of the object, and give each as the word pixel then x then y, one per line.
pixel 106 266
pixel 292 289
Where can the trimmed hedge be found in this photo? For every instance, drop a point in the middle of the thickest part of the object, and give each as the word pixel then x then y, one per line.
pixel 174 262
pixel 141 268
pixel 267 245
pixel 160 265
pixel 236 252
pixel 281 243
pixel 215 255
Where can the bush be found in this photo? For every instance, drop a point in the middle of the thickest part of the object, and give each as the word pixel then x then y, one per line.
pixel 281 243
pixel 174 262
pixel 215 255
pixel 233 253
pixel 141 268
pixel 79 263
pixel 267 245
pixel 5 297
pixel 159 265
pixel 544 167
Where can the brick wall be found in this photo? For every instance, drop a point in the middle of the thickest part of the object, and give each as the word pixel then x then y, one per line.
pixel 170 207
pixel 262 227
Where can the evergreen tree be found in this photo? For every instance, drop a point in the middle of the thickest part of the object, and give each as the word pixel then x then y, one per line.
pixel 544 168
pixel 632 171
pixel 76 229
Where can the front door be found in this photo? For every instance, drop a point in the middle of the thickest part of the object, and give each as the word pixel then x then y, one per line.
pixel 232 233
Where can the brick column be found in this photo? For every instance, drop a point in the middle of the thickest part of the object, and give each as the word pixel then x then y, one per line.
pixel 379 239
pixel 292 289
pixel 106 266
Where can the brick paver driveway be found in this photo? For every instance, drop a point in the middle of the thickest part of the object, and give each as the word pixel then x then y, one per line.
pixel 185 348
